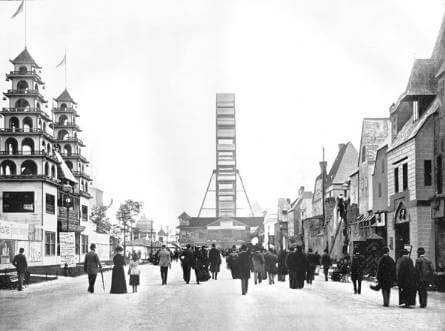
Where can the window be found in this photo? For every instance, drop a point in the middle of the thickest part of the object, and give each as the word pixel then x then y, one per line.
pixel 396 180
pixel 84 244
pixel 50 243
pixel 427 173
pixel 18 202
pixel 380 190
pixel 363 153
pixel 77 240
pixel 35 233
pixel 84 213
pixel 50 204
pixel 405 176
pixel 383 166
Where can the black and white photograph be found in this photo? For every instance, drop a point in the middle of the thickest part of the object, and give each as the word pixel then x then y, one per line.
pixel 222 165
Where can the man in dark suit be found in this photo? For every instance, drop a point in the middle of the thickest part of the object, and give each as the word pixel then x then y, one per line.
pixel 92 266
pixel 425 273
pixel 21 265
pixel 186 263
pixel 386 275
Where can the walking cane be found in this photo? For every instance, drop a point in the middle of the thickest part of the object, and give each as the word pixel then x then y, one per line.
pixel 103 283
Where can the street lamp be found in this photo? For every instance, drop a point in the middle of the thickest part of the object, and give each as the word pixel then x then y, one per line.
pixel 68 204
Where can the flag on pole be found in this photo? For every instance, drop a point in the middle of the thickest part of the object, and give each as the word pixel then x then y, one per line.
pixel 63 62
pixel 19 10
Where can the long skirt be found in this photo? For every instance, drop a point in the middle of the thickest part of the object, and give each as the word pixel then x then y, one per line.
pixel 407 296
pixel 118 284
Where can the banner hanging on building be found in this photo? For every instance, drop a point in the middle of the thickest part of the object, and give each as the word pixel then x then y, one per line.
pixel 67 249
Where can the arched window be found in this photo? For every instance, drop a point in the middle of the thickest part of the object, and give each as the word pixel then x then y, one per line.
pixel 63 119
pixel 36 87
pixel 63 107
pixel 22 85
pixel 69 164
pixel 38 106
pixel 27 124
pixel 21 104
pixel 23 70
pixel 11 146
pixel 14 123
pixel 28 146
pixel 46 169
pixel 57 147
pixel 44 126
pixel 8 168
pixel 29 168
pixel 48 148
pixel 62 135
pixel 86 187
pixel 67 150
pixel 363 153
pixel 53 171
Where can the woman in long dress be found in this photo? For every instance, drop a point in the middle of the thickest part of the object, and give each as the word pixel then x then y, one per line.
pixel 118 284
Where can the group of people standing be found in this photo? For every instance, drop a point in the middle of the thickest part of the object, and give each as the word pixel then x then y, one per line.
pixel 200 259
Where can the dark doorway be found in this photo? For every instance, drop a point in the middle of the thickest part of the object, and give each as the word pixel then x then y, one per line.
pixel 402 237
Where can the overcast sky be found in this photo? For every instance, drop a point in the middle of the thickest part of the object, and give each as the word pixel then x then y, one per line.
pixel 145 74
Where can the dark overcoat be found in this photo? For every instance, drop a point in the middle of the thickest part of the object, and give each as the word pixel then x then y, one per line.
pixel 386 272
pixel 244 265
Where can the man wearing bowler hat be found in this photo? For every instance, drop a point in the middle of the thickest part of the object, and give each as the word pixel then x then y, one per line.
pixel 91 266
pixel 425 272
pixel 406 280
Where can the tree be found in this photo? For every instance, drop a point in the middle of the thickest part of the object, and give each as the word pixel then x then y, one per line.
pixel 126 215
pixel 99 217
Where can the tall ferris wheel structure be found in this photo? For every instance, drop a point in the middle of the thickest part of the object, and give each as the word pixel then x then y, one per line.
pixel 225 195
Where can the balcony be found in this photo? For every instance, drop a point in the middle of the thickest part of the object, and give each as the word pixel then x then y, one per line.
pixel 8 154
pixel 74 156
pixel 33 131
pixel 22 111
pixel 26 92
pixel 72 140
pixel 24 74
pixel 81 174
pixel 31 178
pixel 65 111
pixel 67 125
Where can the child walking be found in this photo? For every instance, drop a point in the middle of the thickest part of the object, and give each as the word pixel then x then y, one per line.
pixel 134 272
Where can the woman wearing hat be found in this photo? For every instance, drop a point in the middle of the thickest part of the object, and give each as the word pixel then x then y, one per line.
pixel 118 284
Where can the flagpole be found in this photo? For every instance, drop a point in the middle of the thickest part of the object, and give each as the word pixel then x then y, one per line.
pixel 65 71
pixel 24 4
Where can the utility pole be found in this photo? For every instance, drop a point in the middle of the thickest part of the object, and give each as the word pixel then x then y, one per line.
pixel 323 165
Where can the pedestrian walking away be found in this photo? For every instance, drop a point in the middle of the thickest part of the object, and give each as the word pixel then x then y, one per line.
pixel 215 261
pixel 244 265
pixel 290 265
pixel 21 266
pixel 186 263
pixel 164 263
pixel 118 284
pixel 406 280
pixel 134 272
pixel 301 264
pixel 271 260
pixel 386 275
pixel 312 260
pixel 282 269
pixel 258 266
pixel 425 274
pixel 357 265
pixel 91 266
pixel 326 263
pixel 232 263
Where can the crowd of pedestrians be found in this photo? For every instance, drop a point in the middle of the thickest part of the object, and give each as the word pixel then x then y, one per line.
pixel 411 278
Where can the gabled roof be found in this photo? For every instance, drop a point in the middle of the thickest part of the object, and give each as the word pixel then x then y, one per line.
pixel 422 78
pixel 344 163
pixel 25 58
pixel 65 96
pixel 205 221
pixel 411 128
pixel 375 132
pixel 439 47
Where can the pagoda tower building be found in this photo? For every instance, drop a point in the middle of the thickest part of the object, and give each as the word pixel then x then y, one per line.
pixel 69 145
pixel 28 165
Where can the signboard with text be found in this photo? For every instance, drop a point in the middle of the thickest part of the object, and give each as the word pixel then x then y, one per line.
pixel 67 249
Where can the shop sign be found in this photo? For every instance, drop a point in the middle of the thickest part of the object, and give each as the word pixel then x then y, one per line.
pixel 7 250
pixel 67 249
pixel 12 230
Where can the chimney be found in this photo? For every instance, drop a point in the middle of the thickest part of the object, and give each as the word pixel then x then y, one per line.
pixel 300 191
pixel 415 110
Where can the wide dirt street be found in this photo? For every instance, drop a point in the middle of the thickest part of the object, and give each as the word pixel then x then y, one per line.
pixel 64 304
